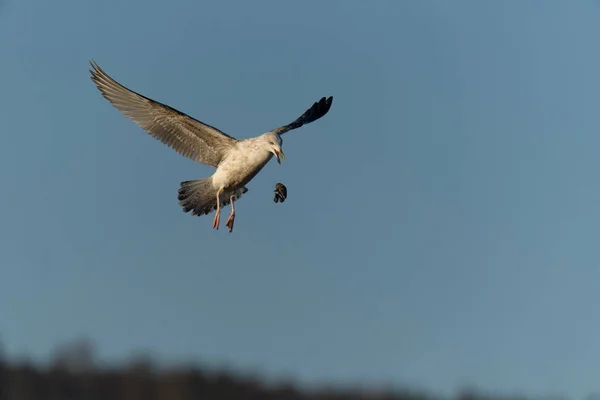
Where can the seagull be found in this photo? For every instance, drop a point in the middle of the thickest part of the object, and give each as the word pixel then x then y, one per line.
pixel 237 161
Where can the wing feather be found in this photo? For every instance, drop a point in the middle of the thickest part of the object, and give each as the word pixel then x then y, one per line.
pixel 319 109
pixel 186 135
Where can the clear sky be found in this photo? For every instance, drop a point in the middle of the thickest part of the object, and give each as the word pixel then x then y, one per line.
pixel 442 223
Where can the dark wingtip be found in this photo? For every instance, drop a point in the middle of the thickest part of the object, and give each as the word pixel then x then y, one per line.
pixel 324 105
pixel 319 109
pixel 327 104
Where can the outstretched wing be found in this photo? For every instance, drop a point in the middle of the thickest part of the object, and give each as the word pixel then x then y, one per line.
pixel 186 135
pixel 319 109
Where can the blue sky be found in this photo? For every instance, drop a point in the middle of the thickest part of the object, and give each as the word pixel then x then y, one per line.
pixel 442 222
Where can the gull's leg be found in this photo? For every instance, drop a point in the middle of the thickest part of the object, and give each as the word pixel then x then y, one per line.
pixel 217 219
pixel 231 218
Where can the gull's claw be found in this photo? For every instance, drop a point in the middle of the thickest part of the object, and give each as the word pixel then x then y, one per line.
pixel 217 220
pixel 230 221
pixel 231 218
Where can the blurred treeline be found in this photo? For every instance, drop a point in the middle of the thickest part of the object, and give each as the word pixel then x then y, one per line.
pixel 74 374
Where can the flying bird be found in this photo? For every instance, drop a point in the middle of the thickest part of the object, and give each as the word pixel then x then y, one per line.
pixel 237 161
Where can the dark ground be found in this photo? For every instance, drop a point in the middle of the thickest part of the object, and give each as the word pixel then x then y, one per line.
pixel 74 374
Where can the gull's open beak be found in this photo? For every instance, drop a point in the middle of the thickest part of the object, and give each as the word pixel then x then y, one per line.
pixel 278 154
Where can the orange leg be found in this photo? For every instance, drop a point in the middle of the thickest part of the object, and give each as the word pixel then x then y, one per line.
pixel 231 218
pixel 217 220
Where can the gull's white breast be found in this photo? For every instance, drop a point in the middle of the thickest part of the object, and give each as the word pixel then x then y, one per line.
pixel 243 162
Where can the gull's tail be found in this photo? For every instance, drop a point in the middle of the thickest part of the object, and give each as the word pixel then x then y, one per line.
pixel 200 197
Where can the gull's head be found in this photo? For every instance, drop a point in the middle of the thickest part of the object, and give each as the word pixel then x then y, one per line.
pixel 273 142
